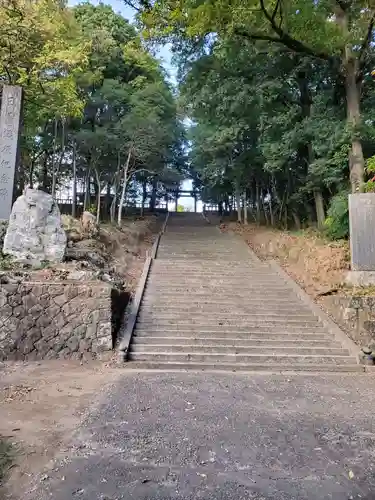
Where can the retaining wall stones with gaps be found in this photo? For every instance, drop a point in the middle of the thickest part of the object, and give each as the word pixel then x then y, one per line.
pixel 70 320
pixel 355 315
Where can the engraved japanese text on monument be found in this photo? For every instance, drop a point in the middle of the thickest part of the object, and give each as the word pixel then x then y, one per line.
pixel 9 132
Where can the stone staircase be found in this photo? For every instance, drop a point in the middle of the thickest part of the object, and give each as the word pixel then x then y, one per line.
pixel 210 303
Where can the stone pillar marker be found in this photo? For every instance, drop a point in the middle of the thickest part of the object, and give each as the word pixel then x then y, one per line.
pixel 362 239
pixel 11 103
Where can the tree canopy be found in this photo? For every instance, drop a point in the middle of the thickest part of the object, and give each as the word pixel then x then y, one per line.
pixel 98 108
pixel 280 96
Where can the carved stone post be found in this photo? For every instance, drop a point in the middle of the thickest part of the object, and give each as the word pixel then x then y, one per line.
pixel 11 103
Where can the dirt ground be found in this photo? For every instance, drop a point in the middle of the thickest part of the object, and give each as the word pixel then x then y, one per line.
pixel 318 265
pixel 41 403
pixel 40 406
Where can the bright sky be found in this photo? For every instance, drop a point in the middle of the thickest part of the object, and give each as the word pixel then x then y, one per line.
pixel 165 56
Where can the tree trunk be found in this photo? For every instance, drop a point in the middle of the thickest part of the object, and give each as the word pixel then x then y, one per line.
pixel 115 181
pixel 74 190
pixel 310 214
pixel 153 195
pixel 264 205
pixel 245 208
pixel 87 190
pixel 319 206
pixel 112 210
pixel 297 221
pixel 124 184
pixel 20 185
pixel 31 175
pixel 272 215
pixel 97 176
pixel 356 159
pixel 45 171
pixel 238 202
pixel 306 103
pixel 350 66
pixel 144 196
pixel 257 196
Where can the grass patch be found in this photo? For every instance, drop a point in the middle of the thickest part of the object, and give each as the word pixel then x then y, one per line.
pixel 6 458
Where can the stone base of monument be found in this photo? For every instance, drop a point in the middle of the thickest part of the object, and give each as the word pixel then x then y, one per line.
pixel 362 239
pixel 360 278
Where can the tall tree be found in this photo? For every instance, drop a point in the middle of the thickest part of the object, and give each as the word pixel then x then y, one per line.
pixel 337 31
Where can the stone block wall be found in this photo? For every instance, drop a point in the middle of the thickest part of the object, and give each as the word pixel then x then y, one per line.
pixel 355 315
pixel 55 320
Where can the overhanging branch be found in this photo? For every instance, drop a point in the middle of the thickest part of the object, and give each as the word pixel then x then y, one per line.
pixel 143 4
pixel 287 41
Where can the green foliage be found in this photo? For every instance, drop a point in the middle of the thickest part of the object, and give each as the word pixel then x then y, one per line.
pixel 91 86
pixel 265 84
pixel 180 208
pixel 42 49
pixel 92 209
pixel 6 458
pixel 370 170
pixel 337 222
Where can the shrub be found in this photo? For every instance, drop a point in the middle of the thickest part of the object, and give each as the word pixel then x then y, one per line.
pixel 337 222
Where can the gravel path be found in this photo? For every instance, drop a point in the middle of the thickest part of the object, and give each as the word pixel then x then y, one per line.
pixel 181 436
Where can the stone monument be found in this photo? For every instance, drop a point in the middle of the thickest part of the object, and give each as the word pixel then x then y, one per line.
pixel 11 102
pixel 362 239
pixel 35 233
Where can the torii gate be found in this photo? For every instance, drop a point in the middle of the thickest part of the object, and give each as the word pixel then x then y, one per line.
pixel 177 193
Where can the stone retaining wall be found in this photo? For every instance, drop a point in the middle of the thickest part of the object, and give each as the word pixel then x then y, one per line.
pixel 55 320
pixel 355 315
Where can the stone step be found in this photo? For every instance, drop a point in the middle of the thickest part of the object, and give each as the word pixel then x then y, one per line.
pixel 235 281
pixel 199 240
pixel 212 266
pixel 196 265
pixel 223 319
pixel 192 304
pixel 247 334
pixel 227 309
pixel 207 289
pixel 248 367
pixel 209 284
pixel 264 359
pixel 235 278
pixel 198 251
pixel 232 341
pixel 221 301
pixel 220 316
pixel 248 329
pixel 214 296
pixel 238 349
pixel 231 253
pixel 200 246
pixel 188 256
pixel 217 272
